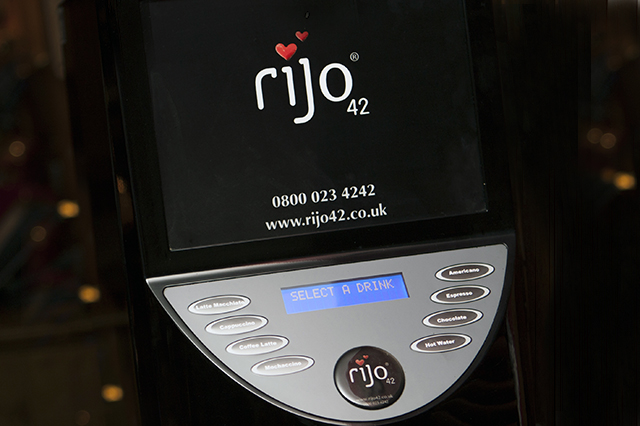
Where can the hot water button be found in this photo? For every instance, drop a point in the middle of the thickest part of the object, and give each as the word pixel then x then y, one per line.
pixel 369 377
pixel 441 343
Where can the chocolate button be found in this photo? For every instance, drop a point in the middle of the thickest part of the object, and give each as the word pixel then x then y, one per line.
pixel 453 318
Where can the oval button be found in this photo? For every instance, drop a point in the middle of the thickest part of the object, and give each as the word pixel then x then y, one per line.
pixel 460 294
pixel 441 343
pixel 219 305
pixel 236 325
pixel 283 365
pixel 454 318
pixel 257 345
pixel 465 272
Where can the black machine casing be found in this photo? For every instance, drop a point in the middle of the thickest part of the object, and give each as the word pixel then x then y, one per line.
pixel 178 383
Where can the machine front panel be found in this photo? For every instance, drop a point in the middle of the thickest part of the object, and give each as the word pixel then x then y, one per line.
pixel 420 330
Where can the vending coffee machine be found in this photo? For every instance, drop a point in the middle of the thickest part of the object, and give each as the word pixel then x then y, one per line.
pixel 314 204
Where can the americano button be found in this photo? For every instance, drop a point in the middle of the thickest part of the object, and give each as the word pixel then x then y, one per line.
pixel 465 272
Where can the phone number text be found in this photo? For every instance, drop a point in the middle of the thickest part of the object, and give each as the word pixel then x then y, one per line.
pixel 323 196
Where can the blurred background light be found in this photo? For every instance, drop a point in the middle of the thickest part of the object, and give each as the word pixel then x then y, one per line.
pixel 17 148
pixel 608 140
pixel 112 393
pixel 624 181
pixel 594 135
pixel 89 294
pixel 68 209
pixel 82 418
pixel 38 234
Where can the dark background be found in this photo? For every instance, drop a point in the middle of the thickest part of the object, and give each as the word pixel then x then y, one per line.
pixel 572 101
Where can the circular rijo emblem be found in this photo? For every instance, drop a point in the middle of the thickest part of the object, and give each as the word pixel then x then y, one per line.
pixel 369 378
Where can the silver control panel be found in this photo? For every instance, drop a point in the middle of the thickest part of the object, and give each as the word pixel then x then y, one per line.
pixel 364 341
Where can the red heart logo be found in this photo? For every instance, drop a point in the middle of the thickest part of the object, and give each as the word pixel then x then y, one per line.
pixel 365 356
pixel 286 52
pixel 302 36
pixel 360 361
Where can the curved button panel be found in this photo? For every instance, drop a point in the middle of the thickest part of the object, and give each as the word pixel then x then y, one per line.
pixel 219 305
pixel 282 365
pixel 236 325
pixel 460 294
pixel 257 345
pixel 441 343
pixel 453 318
pixel 465 272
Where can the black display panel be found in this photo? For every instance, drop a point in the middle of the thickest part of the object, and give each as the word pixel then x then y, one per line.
pixel 279 118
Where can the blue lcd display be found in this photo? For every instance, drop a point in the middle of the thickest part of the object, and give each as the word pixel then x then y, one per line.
pixel 344 293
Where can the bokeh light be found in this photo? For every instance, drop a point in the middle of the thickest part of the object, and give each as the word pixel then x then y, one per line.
pixel 68 209
pixel 89 294
pixel 112 393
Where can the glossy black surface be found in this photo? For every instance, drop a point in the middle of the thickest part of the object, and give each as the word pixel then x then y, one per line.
pixel 140 142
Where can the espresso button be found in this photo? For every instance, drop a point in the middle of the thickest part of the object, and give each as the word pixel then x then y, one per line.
pixel 460 294
pixel 219 305
pixel 465 272
pixel 369 378
pixel 454 318
pixel 441 343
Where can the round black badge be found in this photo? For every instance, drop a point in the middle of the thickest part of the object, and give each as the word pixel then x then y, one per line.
pixel 369 377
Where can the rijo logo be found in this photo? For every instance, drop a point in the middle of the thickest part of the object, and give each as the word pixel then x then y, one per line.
pixel 365 374
pixel 287 52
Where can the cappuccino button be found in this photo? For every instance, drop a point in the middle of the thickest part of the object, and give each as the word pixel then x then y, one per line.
pixel 236 325
pixel 369 378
